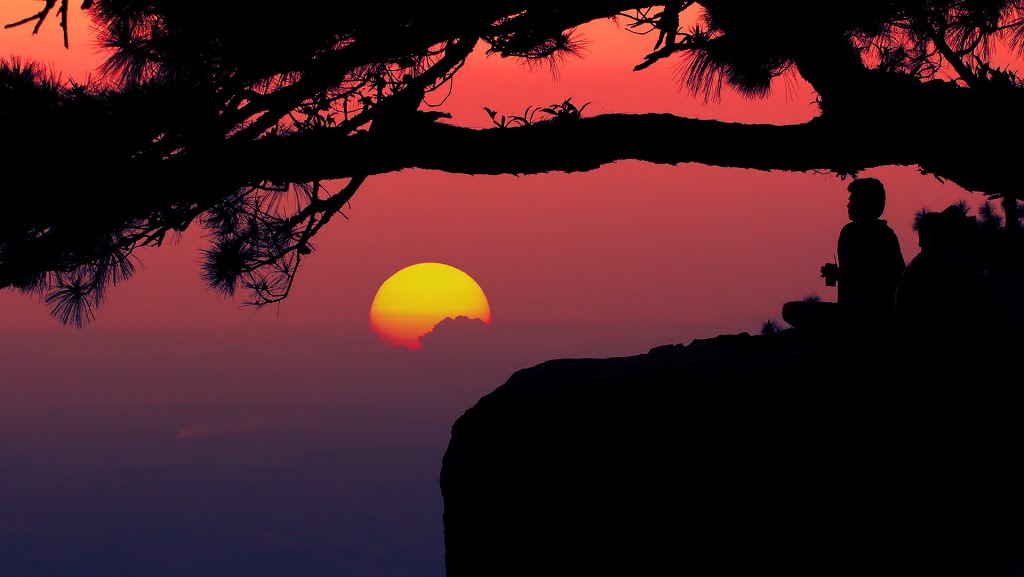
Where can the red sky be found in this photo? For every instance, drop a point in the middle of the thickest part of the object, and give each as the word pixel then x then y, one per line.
pixel 606 263
pixel 671 252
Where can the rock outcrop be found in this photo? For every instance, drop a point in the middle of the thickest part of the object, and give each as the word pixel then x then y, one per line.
pixel 744 455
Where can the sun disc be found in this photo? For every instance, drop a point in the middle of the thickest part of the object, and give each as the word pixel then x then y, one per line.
pixel 411 302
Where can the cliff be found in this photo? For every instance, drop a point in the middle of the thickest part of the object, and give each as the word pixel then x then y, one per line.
pixel 784 453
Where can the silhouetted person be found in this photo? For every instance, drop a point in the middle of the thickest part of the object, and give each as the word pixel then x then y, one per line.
pixel 869 266
pixel 935 295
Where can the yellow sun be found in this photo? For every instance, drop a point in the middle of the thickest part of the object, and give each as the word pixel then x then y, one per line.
pixel 415 299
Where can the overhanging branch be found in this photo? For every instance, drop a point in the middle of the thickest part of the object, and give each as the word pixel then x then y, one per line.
pixel 589 143
pixel 569 146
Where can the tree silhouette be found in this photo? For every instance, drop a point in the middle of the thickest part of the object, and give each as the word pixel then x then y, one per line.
pixel 236 115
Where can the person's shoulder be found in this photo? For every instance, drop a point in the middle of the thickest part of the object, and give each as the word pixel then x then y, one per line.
pixel 923 260
pixel 850 227
pixel 882 226
pixel 865 229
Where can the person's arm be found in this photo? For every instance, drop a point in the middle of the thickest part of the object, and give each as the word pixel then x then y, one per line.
pixel 844 249
pixel 830 272
pixel 898 263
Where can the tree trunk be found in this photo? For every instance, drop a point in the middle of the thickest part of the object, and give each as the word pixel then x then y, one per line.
pixel 1012 216
pixel 1014 252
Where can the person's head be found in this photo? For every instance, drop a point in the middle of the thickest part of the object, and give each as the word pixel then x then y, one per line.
pixel 931 230
pixel 867 199
pixel 943 231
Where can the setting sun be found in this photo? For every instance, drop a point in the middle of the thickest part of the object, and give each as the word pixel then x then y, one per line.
pixel 415 299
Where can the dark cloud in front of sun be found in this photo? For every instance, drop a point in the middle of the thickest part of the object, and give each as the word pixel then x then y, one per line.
pixel 455 332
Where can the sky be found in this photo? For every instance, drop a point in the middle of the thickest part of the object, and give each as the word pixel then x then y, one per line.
pixel 183 433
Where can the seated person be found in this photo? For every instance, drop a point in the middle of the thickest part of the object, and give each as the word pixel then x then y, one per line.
pixel 935 293
pixel 869 266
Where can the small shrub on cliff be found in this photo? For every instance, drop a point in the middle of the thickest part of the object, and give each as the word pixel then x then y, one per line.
pixel 771 327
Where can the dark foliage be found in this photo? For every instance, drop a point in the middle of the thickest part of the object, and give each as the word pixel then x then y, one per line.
pixel 261 121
